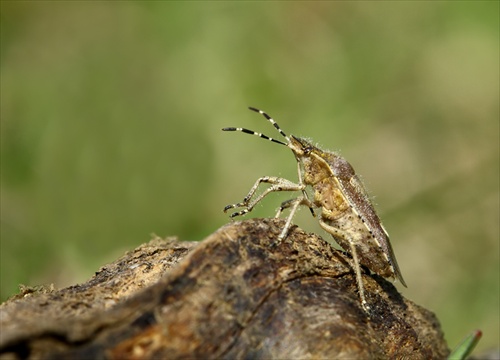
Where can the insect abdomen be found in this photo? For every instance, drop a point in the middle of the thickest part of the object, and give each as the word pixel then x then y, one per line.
pixel 347 227
pixel 353 230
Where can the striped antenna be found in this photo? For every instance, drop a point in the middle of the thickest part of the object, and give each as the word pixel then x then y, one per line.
pixel 251 132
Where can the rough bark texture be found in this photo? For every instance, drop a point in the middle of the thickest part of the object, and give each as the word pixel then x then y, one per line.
pixel 231 296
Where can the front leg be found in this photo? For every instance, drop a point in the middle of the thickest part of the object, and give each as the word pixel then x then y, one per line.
pixel 278 184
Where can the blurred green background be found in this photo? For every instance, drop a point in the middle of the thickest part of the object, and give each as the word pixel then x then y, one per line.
pixel 111 115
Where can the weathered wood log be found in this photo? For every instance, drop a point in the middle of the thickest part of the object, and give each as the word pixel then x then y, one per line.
pixel 231 296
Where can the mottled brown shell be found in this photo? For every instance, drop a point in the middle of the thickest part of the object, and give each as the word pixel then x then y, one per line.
pixel 347 209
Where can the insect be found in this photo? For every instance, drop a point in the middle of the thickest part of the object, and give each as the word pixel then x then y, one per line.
pixel 346 211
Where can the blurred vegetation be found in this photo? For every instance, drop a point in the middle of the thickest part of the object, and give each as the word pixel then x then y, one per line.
pixel 111 115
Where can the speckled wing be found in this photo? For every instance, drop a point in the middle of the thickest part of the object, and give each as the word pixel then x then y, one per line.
pixel 355 193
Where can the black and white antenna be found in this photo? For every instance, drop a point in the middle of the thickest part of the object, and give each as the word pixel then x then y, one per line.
pixel 251 132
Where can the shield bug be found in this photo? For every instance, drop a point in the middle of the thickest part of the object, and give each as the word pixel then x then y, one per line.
pixel 346 211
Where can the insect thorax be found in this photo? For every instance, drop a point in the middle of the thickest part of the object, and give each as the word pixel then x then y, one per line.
pixel 316 169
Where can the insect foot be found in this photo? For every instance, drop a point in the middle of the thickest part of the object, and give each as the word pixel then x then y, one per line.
pixel 346 211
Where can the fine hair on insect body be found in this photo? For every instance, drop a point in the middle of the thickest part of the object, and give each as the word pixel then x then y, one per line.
pixel 346 210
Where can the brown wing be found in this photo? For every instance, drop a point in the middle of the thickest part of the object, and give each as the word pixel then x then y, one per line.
pixel 356 195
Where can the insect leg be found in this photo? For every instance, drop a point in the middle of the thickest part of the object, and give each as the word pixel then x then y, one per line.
pixel 285 205
pixel 294 204
pixel 278 184
pixel 291 202
pixel 249 195
pixel 357 267
pixel 304 194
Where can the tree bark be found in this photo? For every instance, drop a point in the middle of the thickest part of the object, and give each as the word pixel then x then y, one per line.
pixel 231 296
